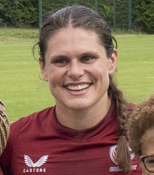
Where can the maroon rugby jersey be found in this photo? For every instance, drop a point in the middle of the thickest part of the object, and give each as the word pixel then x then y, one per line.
pixel 39 144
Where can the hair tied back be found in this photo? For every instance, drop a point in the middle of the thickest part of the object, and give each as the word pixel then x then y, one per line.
pixel 123 132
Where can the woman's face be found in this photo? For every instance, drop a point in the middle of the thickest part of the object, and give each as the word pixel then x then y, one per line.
pixel 148 149
pixel 77 68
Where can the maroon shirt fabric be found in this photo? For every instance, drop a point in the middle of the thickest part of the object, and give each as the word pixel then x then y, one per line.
pixel 39 144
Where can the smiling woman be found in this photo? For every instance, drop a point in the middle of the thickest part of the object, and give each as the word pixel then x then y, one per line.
pixel 85 132
pixel 76 82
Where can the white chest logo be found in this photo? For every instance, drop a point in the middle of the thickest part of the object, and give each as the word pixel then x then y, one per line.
pixel 40 162
pixel 113 154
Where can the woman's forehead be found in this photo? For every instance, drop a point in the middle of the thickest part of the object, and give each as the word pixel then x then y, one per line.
pixel 72 36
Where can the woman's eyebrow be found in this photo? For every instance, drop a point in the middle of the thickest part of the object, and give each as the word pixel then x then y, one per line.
pixel 54 57
pixel 59 56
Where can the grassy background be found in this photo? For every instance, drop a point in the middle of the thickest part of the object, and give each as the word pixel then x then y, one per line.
pixel 21 86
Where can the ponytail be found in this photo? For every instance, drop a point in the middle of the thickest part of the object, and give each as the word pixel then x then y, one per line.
pixel 123 154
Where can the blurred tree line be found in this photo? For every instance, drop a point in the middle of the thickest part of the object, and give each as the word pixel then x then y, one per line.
pixel 25 13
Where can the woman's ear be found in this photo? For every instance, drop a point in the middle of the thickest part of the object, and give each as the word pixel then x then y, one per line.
pixel 42 67
pixel 113 62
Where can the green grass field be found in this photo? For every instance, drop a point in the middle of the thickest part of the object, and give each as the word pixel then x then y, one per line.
pixel 21 86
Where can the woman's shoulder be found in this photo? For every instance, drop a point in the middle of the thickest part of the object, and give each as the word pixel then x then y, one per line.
pixel 25 124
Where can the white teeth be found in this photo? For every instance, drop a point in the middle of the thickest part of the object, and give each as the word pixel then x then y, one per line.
pixel 78 87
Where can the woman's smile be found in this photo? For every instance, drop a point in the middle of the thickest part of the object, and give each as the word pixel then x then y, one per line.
pixel 77 87
pixel 77 68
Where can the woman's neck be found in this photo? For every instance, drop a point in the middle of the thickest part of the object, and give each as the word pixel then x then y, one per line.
pixel 82 119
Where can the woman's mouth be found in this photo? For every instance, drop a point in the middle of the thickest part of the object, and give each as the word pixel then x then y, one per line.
pixel 77 87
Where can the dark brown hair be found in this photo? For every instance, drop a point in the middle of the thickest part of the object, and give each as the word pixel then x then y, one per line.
pixel 86 18
pixel 142 119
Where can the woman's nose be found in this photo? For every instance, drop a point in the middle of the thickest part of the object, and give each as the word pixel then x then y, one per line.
pixel 75 69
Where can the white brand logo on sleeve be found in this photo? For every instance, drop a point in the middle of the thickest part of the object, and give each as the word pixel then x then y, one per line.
pixel 34 166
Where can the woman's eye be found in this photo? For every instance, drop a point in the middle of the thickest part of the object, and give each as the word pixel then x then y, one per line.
pixel 150 161
pixel 61 62
pixel 87 59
